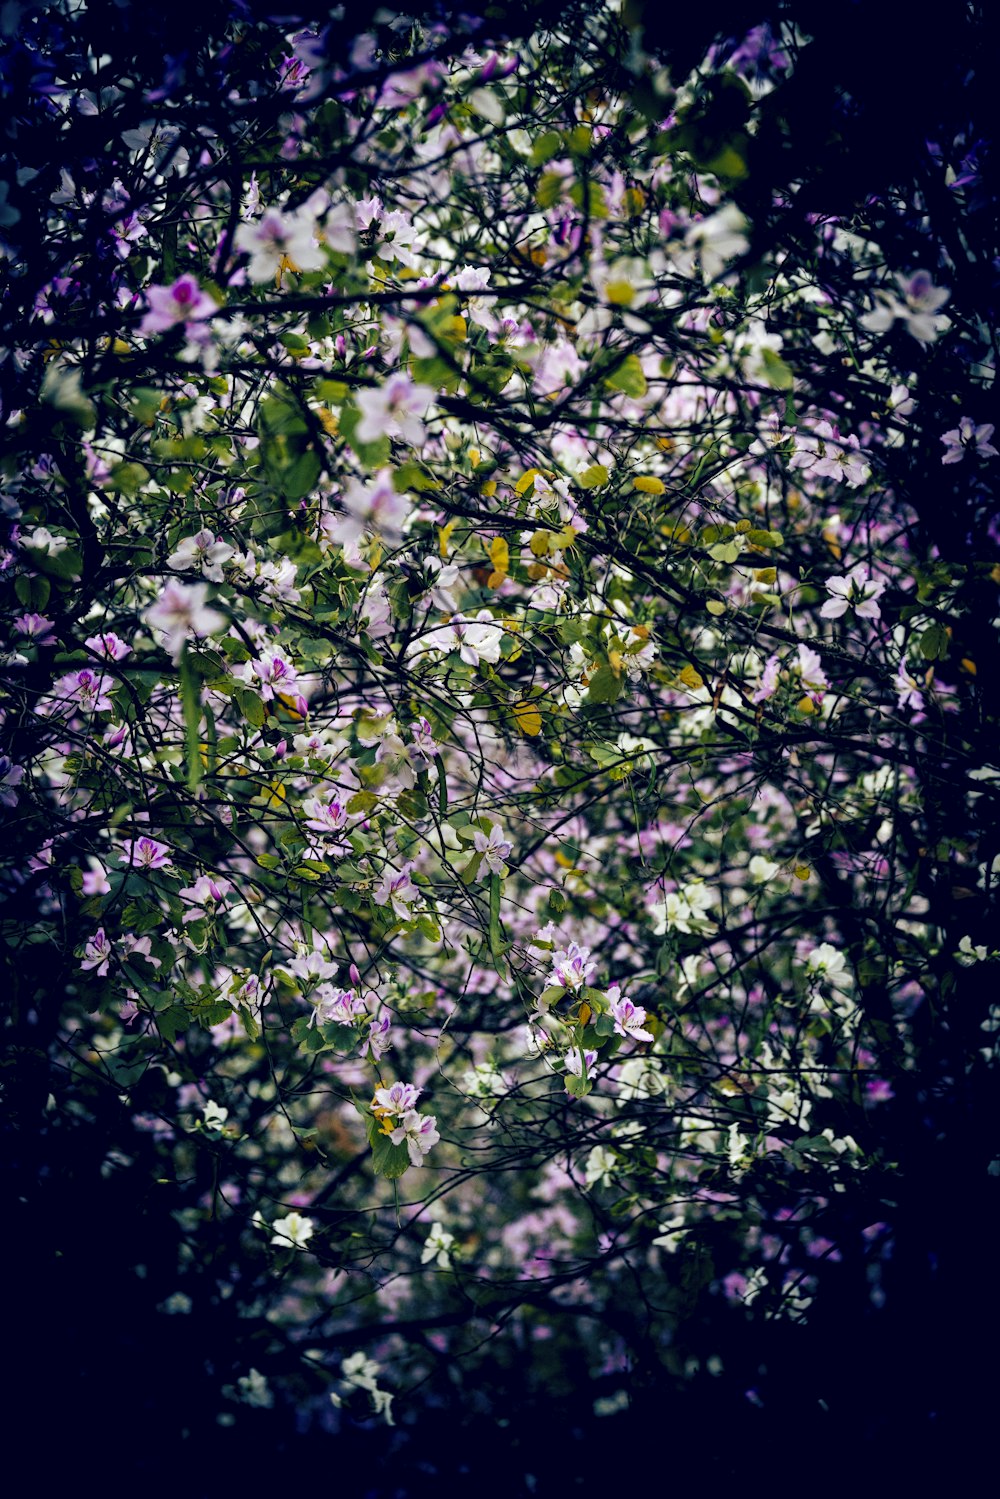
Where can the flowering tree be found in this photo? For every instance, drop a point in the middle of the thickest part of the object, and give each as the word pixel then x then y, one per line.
pixel 499 742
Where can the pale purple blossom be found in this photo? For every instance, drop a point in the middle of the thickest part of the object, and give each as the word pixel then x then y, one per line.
pixel 182 610
pixel 495 851
pixel 327 817
pixel 423 746
pixel 968 438
pixel 85 690
pixel 108 645
pixel 918 310
pixel 175 306
pixel 398 1099
pixel 576 1060
pixel 396 889
pixel 204 552
pixel 11 776
pixel 332 1006
pixel 395 409
pixel 205 895
pixel 572 966
pixel 420 1133
pixel 376 1040
pixel 628 1017
pixel 35 627
pixel 144 853
pixel 372 505
pixel 768 684
pixel 97 953
pixel 278 237
pixel 270 673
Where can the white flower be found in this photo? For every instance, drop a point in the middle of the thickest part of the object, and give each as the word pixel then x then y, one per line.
pixel 760 870
pixel 718 239
pixel 395 409
pixel 918 310
pixel 293 1230
pixel 600 1165
pixel 202 552
pixel 825 961
pixel 278 237
pixel 180 612
pixel 214 1115
pixel 495 851
pixel 437 1247
pixel 420 1133
pixel 857 590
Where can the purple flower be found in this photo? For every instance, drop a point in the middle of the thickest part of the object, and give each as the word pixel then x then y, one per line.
pixel 144 853
pixel 176 306
pixel 572 966
pixel 965 437
pixel 35 627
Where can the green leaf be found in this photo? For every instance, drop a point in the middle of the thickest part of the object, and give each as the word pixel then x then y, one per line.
pixel 191 706
pixel 604 686
pixel 776 372
pixel 594 477
pixel 496 897
pixel 251 706
pixel 629 378
pixel 544 147
pixel 934 643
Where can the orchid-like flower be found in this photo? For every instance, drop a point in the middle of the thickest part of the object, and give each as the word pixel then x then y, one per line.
pixel 572 966
pixel 968 438
pixel 395 409
pixel 396 889
pixel 396 1100
pixel 182 611
pixel 420 1134
pixel 203 553
pixel 175 306
pixel 293 1231
pixel 495 851
pixel 857 591
pixel 144 853
pixel 628 1017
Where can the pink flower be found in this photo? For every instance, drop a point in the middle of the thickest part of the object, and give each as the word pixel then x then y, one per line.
pixel 628 1019
pixel 174 306
pixel 371 506
pixel 572 966
pixel 97 953
pixel 34 627
pixel 768 684
pixel 203 553
pixel 108 645
pixel 85 690
pixel 495 851
pixel 205 894
pixel 182 611
pixel 420 1134
pixel 397 890
pixel 271 674
pixel 144 853
pixel 398 1099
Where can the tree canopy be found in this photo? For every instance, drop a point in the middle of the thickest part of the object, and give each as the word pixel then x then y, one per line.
pixel 499 741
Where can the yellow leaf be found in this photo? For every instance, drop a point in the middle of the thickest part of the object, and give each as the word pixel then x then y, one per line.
pixel 540 543
pixel 444 537
pixel 474 456
pixel 585 1013
pixel 647 484
pixel 802 871
pixel 490 488
pixel 620 293
pixel 525 480
pixel 331 425
pixel 528 719
pixel 593 477
pixel 806 705
pixel 691 678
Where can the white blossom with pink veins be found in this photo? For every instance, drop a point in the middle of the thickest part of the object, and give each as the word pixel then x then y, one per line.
pixel 475 640
pixel 420 1133
pixel 275 237
pixel 204 553
pixel 374 505
pixel 180 612
pixel 395 409
pixel 396 889
pixel 857 591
